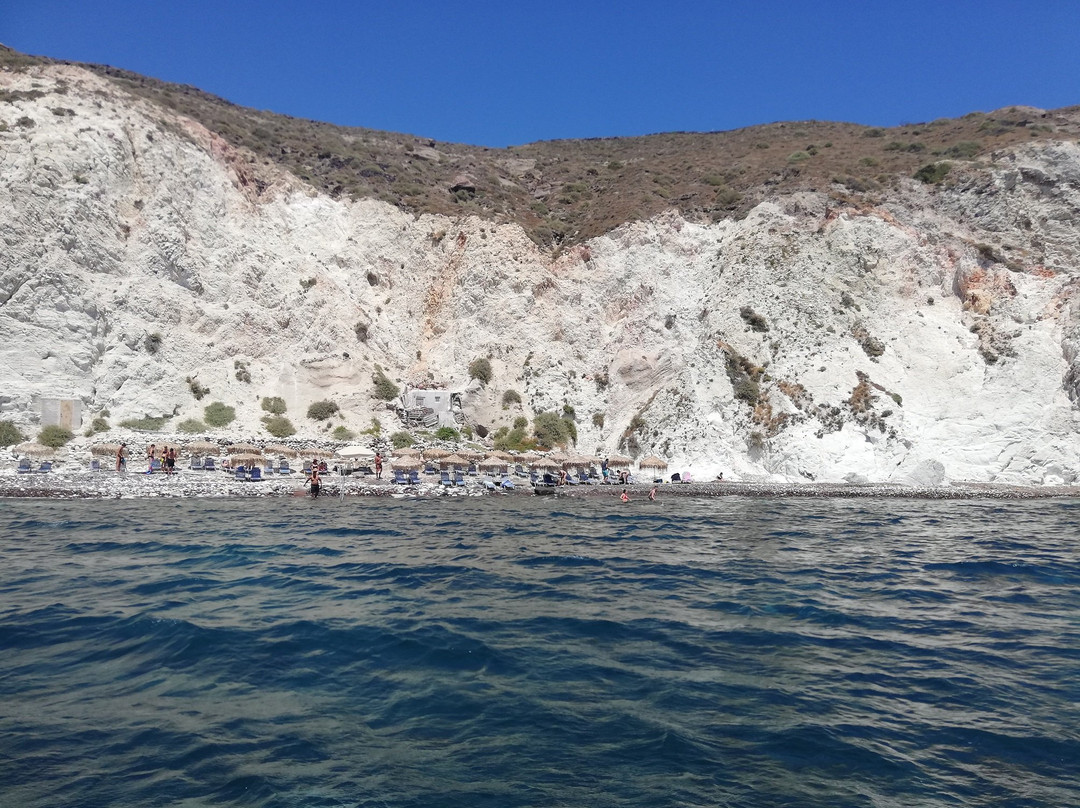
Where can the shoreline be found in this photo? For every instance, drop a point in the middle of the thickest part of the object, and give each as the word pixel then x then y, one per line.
pixel 195 484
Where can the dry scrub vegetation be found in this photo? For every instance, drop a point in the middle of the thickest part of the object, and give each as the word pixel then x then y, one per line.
pixel 565 191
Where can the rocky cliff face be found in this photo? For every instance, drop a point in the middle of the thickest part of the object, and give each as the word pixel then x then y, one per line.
pixel 932 336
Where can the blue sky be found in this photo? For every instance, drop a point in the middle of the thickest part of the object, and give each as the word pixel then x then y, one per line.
pixel 504 73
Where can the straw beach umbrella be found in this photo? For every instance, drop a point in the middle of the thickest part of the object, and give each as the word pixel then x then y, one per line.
pixel 494 464
pixel 436 453
pixel 453 460
pixel 408 451
pixel 241 448
pixel 546 463
pixel 653 462
pixel 106 449
pixel 471 454
pixel 279 449
pixel 202 447
pixel 619 460
pixel 500 455
pixel 34 449
pixel 407 463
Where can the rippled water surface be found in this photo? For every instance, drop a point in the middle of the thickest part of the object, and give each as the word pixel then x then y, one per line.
pixel 532 652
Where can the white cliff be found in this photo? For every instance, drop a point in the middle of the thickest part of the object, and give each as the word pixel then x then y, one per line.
pixel 930 338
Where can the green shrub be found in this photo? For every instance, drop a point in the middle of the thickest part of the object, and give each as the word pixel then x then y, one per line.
pixel 275 405
pixel 278 425
pixel 399 440
pixel 54 436
pixel 447 433
pixel 965 150
pixel 481 369
pixel 152 342
pixel 747 390
pixel 197 389
pixel 99 424
pixel 753 319
pixel 933 173
pixel 521 422
pixel 10 434
pixel 385 389
pixel 242 372
pixel 569 412
pixel 511 397
pixel 798 157
pixel 218 414
pixel 321 410
pixel 342 433
pixel 598 419
pixel 148 423
pixel 552 430
pixel 191 426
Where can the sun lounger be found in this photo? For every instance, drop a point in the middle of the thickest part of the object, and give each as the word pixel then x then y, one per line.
pixel 24 466
pixel 400 478
pixel 414 477
pixel 283 467
pixel 429 468
pixel 256 475
pixel 95 465
pixel 459 478
pixel 444 478
pixel 307 467
pixel 196 464
pixel 45 467
pixel 241 473
pixel 208 464
pixel 519 470
pixel 507 484
pixel 472 470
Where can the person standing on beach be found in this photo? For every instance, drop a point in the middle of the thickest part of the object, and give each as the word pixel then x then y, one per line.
pixel 378 466
pixel 170 461
pixel 121 461
pixel 151 453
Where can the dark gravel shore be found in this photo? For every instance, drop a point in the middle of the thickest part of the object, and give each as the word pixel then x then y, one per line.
pixel 81 484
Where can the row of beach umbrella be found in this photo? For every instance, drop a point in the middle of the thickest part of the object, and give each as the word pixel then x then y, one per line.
pixel 405 459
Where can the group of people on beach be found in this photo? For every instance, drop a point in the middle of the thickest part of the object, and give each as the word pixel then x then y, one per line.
pixel 168 459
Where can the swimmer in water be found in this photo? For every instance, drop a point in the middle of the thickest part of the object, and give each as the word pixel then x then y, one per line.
pixel 623 496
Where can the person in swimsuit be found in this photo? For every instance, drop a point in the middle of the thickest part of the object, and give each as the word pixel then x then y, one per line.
pixel 378 466
pixel 121 461
pixel 623 496
pixel 151 453
pixel 170 461
pixel 314 482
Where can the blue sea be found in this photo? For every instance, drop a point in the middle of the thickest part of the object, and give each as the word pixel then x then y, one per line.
pixel 539 652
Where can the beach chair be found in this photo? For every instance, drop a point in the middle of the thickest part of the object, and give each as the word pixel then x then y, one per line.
pixel 268 469
pixel 429 468
pixel 306 469
pixel 24 466
pixel 472 470
pixel 196 464
pixel 507 484
pixel 208 464
pixel 241 473
pixel 519 470
pixel 490 485
pixel 45 467
pixel 95 465
pixel 400 478
pixel 583 477
pixel 444 478
pixel 256 475
pixel 534 477
pixel 283 467
pixel 364 471
pixel 414 477
pixel 549 479
pixel 459 478
pixel 155 464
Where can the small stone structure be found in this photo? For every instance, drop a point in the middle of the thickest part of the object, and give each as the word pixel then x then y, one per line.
pixel 63 412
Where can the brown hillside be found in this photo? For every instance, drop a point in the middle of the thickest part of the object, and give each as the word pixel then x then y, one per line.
pixel 568 190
